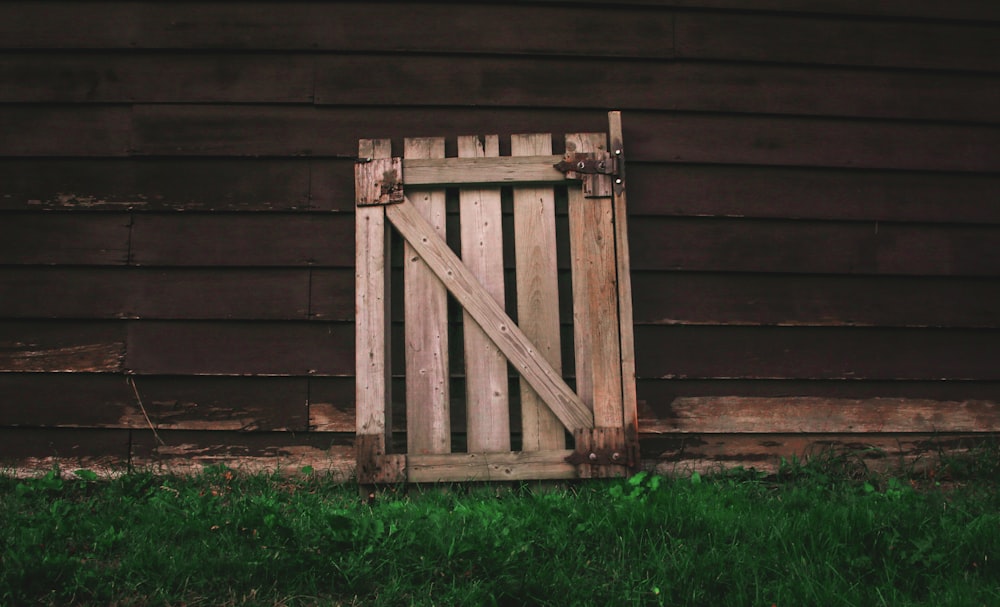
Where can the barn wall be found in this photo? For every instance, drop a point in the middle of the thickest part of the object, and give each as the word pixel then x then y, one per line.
pixel 813 190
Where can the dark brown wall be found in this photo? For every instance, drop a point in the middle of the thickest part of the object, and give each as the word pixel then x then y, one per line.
pixel 813 190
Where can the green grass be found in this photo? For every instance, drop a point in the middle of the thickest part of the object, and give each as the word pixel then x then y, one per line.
pixel 815 534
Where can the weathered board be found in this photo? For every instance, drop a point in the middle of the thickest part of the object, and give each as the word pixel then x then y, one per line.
pixel 240 348
pixel 165 184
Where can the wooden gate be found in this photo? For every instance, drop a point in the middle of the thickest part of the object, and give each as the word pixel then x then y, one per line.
pixel 408 194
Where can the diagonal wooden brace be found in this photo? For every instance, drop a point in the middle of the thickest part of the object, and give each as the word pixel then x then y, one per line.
pixel 488 314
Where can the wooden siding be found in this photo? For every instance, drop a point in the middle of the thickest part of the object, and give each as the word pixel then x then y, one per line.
pixel 813 192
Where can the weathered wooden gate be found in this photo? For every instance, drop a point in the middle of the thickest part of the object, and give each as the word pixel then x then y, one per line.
pixel 408 194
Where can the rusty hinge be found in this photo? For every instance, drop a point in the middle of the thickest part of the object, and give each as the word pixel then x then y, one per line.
pixel 603 452
pixel 586 163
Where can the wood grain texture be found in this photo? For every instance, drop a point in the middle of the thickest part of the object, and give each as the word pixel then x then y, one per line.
pixel 38 346
pixel 372 346
pixel 487 401
pixel 174 293
pixel 492 467
pixel 189 452
pixel 735 245
pixel 426 323
pixel 344 26
pixel 657 85
pixel 790 193
pixel 537 289
pixel 869 43
pixel 623 268
pixel 64 239
pixel 102 400
pixel 491 317
pixel 240 348
pixel 165 184
pixel 243 240
pixel 656 395
pixel 817 353
pixel 764 452
pixel 769 299
pixel 596 334
pixel 736 414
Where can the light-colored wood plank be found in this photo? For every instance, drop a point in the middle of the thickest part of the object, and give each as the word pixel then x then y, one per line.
pixel 491 317
pixel 487 401
pixel 511 466
pixel 624 267
pixel 595 295
pixel 765 452
pixel 428 427
pixel 816 414
pixel 537 292
pixel 372 351
pixel 465 171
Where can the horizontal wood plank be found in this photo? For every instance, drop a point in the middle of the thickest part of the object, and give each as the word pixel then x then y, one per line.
pixel 652 136
pixel 243 240
pixel 33 346
pixel 155 78
pixel 809 142
pixel 174 293
pixel 162 184
pixel 346 26
pixel 974 10
pixel 189 452
pixel 736 245
pixel 764 452
pixel 503 170
pixel 844 194
pixel 767 299
pixel 36 451
pixel 699 352
pixel 869 43
pixel 67 239
pixel 240 348
pixel 314 131
pixel 655 395
pixel 738 414
pixel 492 467
pixel 65 130
pixel 89 400
pixel 657 85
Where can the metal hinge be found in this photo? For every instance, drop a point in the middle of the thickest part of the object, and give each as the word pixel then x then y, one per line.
pixel 585 163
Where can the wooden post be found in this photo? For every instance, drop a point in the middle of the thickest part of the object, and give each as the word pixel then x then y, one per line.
pixel 487 403
pixel 629 399
pixel 595 296
pixel 373 367
pixel 428 423
pixel 537 292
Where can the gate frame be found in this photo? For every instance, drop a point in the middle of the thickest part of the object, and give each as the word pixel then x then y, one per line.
pixel 602 412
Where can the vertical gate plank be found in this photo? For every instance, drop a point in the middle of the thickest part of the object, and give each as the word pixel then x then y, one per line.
pixel 487 403
pixel 625 323
pixel 428 426
pixel 595 295
pixel 372 351
pixel 537 292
